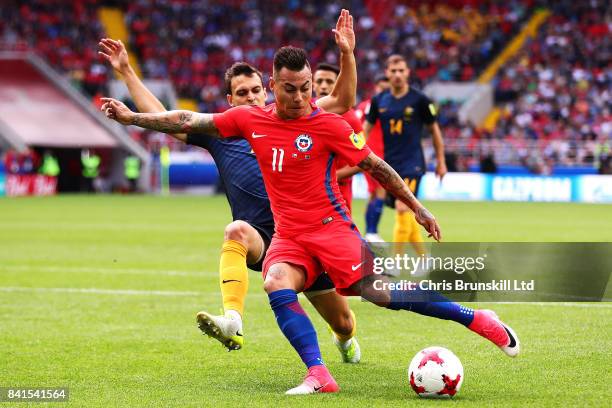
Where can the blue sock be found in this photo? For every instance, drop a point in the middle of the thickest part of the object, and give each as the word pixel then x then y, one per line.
pixel 373 213
pixel 430 303
pixel 296 326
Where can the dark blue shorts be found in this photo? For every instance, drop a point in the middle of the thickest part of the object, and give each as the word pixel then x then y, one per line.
pixel 266 232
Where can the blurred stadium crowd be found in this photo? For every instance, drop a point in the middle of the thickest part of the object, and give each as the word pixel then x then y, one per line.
pixel 555 95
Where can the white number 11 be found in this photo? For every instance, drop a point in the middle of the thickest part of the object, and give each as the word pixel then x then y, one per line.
pixel 281 155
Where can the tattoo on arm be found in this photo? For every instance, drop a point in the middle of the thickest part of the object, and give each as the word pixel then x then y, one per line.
pixel 423 213
pixel 390 180
pixel 177 122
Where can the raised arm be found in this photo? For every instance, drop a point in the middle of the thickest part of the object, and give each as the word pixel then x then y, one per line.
pixel 342 97
pixel 115 53
pixel 393 183
pixel 177 121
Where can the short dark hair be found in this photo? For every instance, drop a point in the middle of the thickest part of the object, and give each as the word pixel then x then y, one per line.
pixel 237 69
pixel 324 66
pixel 292 58
pixel 394 59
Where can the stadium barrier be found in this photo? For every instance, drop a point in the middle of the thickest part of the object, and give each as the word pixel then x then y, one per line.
pixel 16 185
pixel 455 186
pixel 190 170
pixel 193 172
pixel 489 187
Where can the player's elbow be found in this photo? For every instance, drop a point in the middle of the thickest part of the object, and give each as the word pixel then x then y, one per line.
pixel 347 101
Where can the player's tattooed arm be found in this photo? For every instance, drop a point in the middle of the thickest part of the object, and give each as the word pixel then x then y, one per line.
pixel 389 179
pixel 177 121
pixel 393 183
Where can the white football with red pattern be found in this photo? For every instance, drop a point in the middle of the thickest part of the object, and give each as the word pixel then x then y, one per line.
pixel 435 372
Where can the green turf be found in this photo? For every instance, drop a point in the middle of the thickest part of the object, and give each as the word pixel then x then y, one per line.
pixel 141 347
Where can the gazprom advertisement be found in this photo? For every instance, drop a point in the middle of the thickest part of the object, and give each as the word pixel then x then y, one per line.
pixel 485 187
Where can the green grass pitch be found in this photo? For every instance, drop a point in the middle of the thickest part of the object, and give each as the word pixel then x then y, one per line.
pixel 100 294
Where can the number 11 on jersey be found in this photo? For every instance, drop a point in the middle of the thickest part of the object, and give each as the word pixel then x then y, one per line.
pixel 281 154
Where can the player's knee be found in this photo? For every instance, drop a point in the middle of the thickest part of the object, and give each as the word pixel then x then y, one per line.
pixel 276 279
pixel 237 231
pixel 343 324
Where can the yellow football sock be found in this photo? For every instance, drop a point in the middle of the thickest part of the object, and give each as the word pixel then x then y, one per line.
pixel 415 237
pixel 233 274
pixel 346 337
pixel 401 230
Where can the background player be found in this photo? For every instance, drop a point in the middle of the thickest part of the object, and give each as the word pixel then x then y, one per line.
pixel 323 80
pixel 374 139
pixel 403 112
pixel 247 237
pixel 313 230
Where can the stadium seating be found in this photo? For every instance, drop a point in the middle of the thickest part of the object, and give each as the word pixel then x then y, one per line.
pixel 65 33
pixel 192 43
pixel 556 93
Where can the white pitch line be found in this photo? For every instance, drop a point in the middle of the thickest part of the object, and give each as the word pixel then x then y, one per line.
pixel 106 271
pixel 114 226
pixel 98 291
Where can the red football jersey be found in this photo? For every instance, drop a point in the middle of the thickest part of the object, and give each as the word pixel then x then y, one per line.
pixel 375 139
pixel 351 118
pixel 297 161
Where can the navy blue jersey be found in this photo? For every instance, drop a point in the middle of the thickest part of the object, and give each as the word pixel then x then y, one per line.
pixel 240 173
pixel 402 122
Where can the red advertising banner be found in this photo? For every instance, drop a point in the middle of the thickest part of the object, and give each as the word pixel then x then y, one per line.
pixel 30 184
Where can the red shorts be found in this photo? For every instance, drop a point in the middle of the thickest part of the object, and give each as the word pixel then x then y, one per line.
pixel 335 248
pixel 346 189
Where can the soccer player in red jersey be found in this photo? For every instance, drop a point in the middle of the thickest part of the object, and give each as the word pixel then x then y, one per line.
pixel 247 238
pixel 296 145
pixel 324 78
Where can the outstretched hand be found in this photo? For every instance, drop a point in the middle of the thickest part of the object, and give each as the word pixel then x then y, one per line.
pixel 428 221
pixel 116 110
pixel 115 53
pixel 345 36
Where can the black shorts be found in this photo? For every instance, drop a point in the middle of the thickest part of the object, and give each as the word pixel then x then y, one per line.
pixel 323 282
pixel 265 232
pixel 412 181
